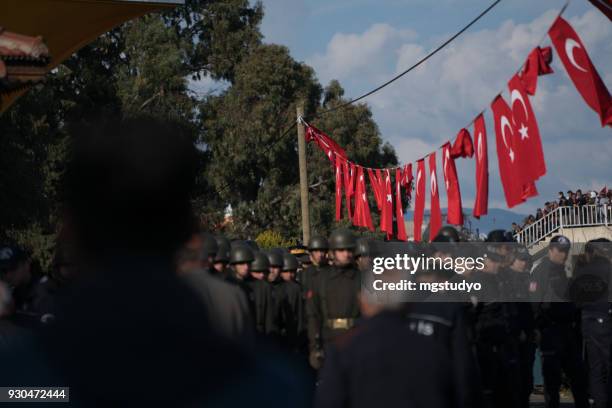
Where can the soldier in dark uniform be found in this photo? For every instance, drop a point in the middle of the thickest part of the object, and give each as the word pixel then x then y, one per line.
pixel 317 250
pixel 592 288
pixel 294 322
pixel 260 291
pixel 557 319
pixel 222 256
pixel 274 320
pixel 334 305
pixel 496 349
pixel 209 248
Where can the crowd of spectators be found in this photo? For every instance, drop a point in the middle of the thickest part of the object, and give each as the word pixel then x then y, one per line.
pixel 570 199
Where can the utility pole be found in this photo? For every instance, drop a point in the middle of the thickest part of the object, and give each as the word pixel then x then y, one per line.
pixel 303 175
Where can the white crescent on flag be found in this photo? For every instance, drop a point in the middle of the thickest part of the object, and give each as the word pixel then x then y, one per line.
pixel 570 44
pixel 516 95
pixel 479 146
pixel 433 184
pixel 506 123
pixel 417 181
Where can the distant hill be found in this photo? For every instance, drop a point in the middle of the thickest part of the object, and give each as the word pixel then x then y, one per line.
pixel 497 218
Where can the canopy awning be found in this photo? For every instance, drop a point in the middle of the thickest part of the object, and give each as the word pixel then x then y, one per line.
pixel 67 25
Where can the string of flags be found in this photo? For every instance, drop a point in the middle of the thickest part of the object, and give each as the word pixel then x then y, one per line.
pixel 518 146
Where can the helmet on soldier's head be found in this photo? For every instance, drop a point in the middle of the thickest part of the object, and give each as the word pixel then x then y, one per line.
pixel 449 232
pixel 241 254
pixel 496 236
pixel 275 257
pixel 209 244
pixel 363 247
pixel 223 251
pixel 318 243
pixel 561 243
pixel 342 238
pixel 260 263
pixel 290 262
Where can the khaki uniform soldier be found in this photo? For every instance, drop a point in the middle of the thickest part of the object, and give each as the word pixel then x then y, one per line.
pixel 334 306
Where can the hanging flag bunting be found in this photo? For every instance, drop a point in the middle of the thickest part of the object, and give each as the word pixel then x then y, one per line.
pixel 581 70
pixel 481 203
pixel 453 193
pixel 349 186
pixel 435 216
pixel 362 216
pixel 399 210
pixel 538 63
pixel 463 146
pixel 377 187
pixel 419 199
pixel 506 154
pixel 407 181
pixel 339 165
pixel 386 217
pixel 528 144
pixel 325 143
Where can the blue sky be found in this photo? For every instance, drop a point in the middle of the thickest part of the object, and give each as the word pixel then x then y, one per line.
pixel 364 42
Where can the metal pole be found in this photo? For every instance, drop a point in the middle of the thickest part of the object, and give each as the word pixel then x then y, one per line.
pixel 303 175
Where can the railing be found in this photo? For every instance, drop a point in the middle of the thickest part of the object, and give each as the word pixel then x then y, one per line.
pixel 564 217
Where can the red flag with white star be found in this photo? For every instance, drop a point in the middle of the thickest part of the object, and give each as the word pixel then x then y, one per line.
pixel 349 186
pixel 362 216
pixel 581 70
pixel 529 152
pixel 481 204
pixel 435 216
pixel 386 216
pixel 419 199
pixel 451 182
pixel 339 163
pixel 399 211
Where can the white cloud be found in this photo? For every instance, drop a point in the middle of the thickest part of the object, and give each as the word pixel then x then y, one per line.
pixel 429 105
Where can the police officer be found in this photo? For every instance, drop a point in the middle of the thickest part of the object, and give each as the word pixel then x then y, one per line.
pixel 591 287
pixel 496 349
pixel 556 319
pixel 334 304
pixel 293 305
pixel 416 356
pixel 515 281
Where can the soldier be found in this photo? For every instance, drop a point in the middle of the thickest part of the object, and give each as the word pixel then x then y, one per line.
pixel 260 291
pixel 274 320
pixel 450 233
pixel 209 248
pixel 317 250
pixel 222 256
pixel 293 305
pixel 333 306
pixel 556 319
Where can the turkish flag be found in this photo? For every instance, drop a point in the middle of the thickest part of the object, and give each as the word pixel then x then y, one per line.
pixel 435 216
pixel 386 217
pixel 529 152
pixel 481 204
pixel 580 69
pixel 399 210
pixel 377 186
pixel 407 181
pixel 453 193
pixel 349 186
pixel 419 199
pixel 462 147
pixel 362 216
pixel 325 143
pixel 506 153
pixel 339 164
pixel 538 63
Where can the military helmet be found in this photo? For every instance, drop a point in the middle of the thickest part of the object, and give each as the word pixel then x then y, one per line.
pixel 363 247
pixel 209 244
pixel 449 232
pixel 497 236
pixel 223 251
pixel 275 257
pixel 318 243
pixel 522 253
pixel 260 263
pixel 342 238
pixel 241 254
pixel 290 262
